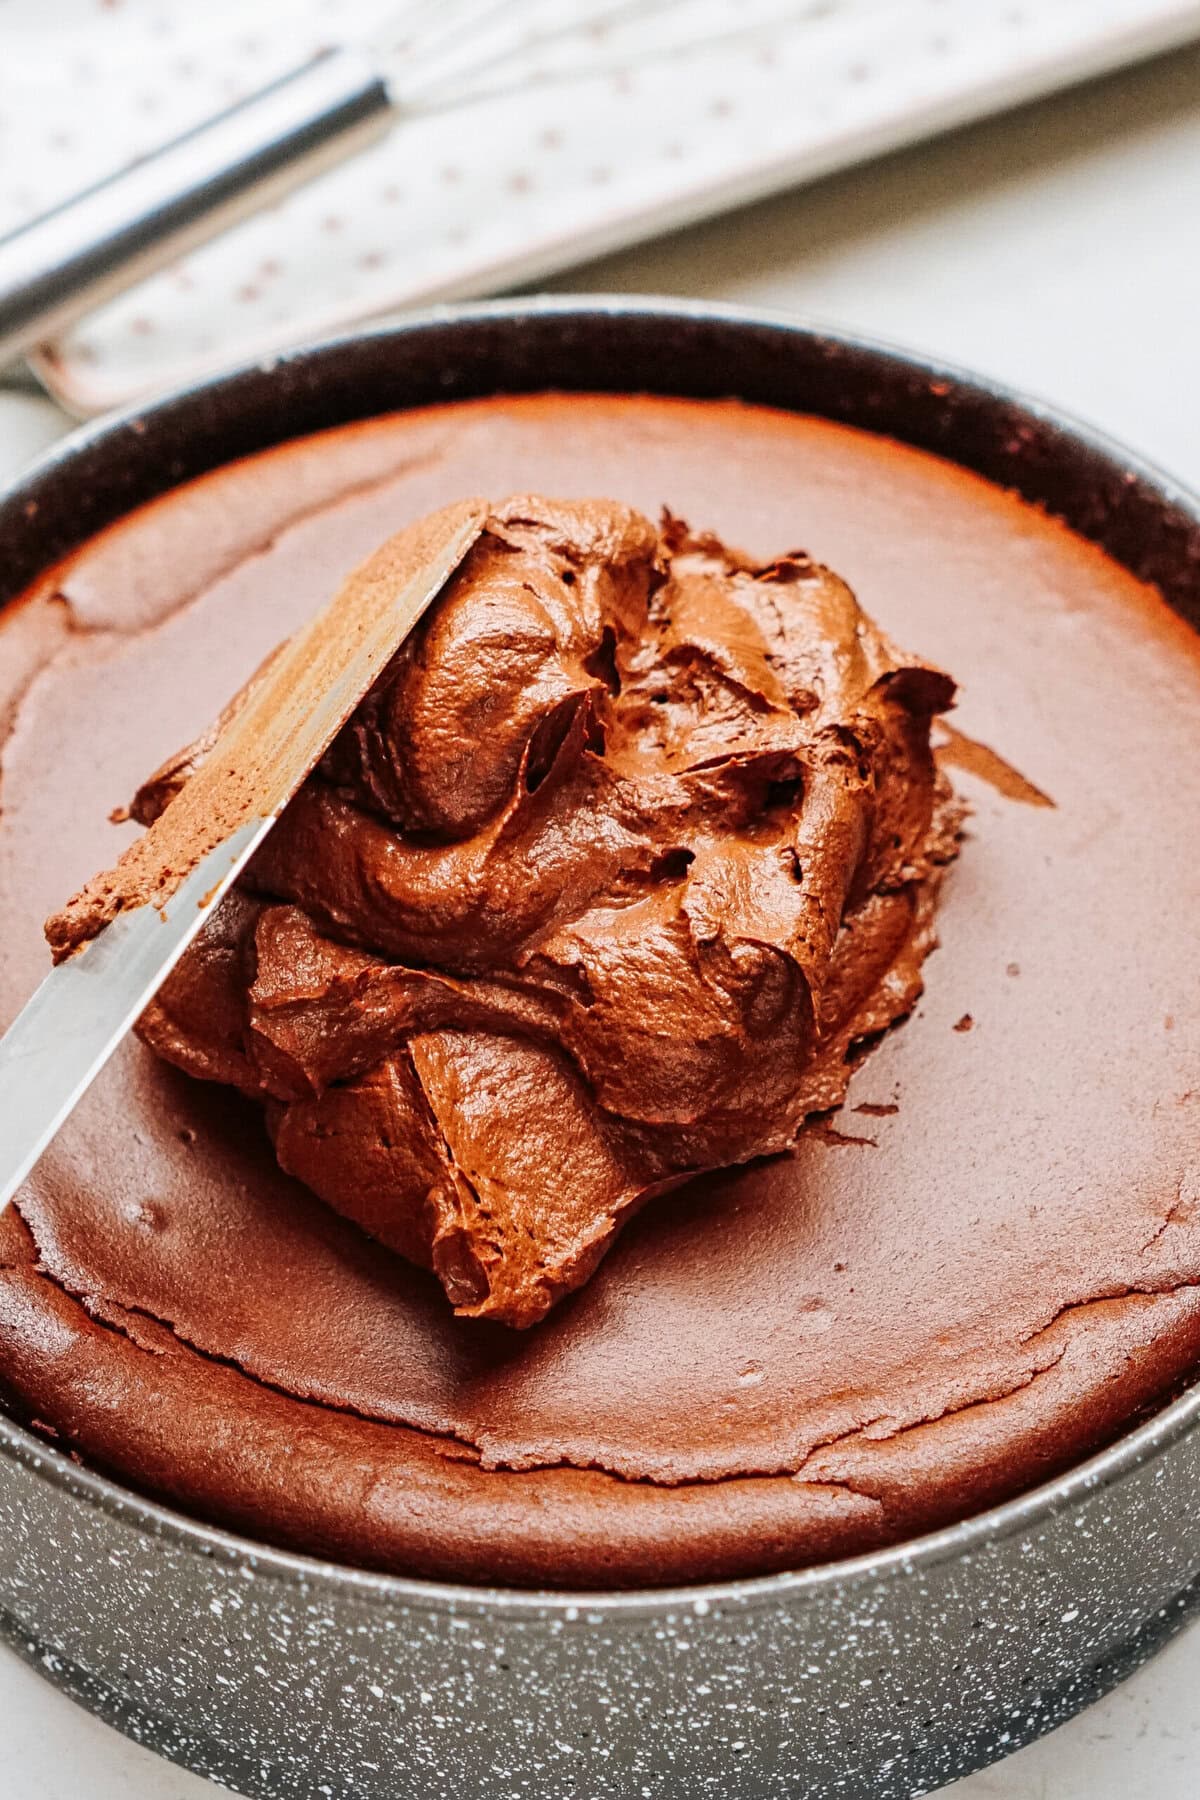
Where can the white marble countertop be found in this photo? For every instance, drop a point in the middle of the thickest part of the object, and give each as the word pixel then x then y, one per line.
pixel 1058 249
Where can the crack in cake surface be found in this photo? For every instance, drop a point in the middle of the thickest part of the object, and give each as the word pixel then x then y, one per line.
pixel 811 1466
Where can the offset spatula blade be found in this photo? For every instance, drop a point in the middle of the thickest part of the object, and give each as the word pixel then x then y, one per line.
pixel 66 1033
pixel 131 926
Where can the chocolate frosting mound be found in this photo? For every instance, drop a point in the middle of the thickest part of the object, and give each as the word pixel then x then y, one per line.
pixel 611 878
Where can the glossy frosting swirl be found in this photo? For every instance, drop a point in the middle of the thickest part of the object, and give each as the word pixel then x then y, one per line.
pixel 610 879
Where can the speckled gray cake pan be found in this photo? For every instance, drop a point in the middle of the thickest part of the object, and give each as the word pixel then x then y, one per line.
pixel 883 1677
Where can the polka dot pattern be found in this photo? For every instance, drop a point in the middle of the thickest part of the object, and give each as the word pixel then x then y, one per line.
pixel 600 130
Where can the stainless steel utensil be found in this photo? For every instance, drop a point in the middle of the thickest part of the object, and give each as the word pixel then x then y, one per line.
pixel 113 235
pixel 123 229
pixel 66 1033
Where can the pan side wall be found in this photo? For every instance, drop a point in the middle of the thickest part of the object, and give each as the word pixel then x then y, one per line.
pixel 883 1684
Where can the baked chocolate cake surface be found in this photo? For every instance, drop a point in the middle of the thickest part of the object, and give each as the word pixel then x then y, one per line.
pixel 981 1268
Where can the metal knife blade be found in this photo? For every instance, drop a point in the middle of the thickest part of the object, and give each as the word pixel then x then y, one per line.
pixel 70 1027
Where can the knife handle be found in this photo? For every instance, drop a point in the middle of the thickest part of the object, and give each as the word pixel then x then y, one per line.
pixel 113 235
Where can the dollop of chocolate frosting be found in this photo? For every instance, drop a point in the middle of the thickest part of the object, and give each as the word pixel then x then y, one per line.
pixel 612 877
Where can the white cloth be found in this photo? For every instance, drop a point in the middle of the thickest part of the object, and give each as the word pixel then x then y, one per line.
pixel 678 109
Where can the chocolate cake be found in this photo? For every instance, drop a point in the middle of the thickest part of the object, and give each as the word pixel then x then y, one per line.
pixel 980 1268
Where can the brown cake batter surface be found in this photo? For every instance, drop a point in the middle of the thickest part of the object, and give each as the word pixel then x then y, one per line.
pixel 984 1266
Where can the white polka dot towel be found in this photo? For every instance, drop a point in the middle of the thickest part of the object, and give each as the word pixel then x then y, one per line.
pixel 654 115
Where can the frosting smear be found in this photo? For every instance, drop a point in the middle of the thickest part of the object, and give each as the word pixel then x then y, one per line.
pixel 614 875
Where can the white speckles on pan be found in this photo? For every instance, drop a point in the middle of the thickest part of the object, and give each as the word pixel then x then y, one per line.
pixel 886 1676
pixel 282 1678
